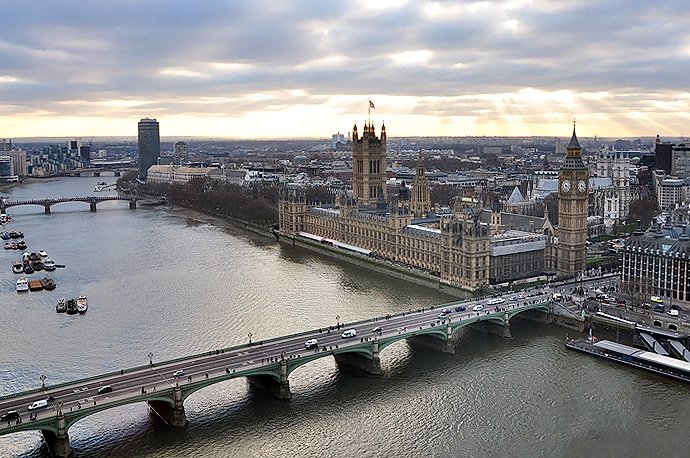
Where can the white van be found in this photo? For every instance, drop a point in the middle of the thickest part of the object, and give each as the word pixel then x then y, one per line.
pixel 38 404
pixel 311 343
pixel 349 333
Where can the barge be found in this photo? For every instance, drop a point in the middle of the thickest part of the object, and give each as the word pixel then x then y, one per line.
pixel 635 357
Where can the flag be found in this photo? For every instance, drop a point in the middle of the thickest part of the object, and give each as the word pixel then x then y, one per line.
pixel 371 104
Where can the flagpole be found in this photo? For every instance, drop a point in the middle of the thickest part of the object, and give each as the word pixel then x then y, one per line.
pixel 369 112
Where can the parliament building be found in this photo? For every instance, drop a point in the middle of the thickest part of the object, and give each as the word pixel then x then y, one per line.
pixel 468 246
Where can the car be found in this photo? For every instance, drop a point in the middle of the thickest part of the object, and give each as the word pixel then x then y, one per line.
pixel 460 309
pixel 622 304
pixel 11 415
pixel 311 343
pixel 675 307
pixel 443 315
pixel 178 373
pixel 673 312
pixel 105 389
pixel 349 333
pixel 514 298
pixel 478 308
pixel 521 296
pixel 377 329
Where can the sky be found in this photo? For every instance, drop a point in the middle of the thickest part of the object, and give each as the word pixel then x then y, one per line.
pixel 307 68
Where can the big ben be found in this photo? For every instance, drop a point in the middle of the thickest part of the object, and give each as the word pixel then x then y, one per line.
pixel 573 198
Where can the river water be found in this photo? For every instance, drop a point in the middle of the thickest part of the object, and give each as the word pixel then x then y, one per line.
pixel 162 283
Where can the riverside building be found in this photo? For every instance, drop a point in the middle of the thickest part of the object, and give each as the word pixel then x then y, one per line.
pixel 466 246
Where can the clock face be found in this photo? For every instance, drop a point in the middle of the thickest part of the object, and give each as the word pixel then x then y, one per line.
pixel 582 186
pixel 565 186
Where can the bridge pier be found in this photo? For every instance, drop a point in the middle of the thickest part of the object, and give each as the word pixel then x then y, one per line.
pixel 58 445
pixel 355 363
pixel 277 388
pixel 172 414
pixel 46 207
pixel 133 204
pixel 92 206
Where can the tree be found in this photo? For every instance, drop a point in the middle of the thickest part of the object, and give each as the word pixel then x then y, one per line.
pixel 642 209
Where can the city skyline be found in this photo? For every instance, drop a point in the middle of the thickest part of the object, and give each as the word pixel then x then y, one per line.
pixel 307 70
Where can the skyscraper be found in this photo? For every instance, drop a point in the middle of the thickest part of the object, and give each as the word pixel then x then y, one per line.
pixel 149 145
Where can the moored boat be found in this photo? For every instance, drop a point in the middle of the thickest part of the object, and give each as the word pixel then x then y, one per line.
pixel 82 304
pixel 48 264
pixel 36 265
pixel 48 283
pixel 61 305
pixel 21 245
pixel 71 306
pixel 22 284
pixel 35 285
pixel 8 246
pixel 5 236
pixel 42 253
pixel 17 267
pixel 28 269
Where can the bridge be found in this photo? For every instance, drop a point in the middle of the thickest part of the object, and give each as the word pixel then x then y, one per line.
pixel 267 364
pixel 48 203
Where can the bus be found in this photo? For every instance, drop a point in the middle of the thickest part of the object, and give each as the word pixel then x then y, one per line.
pixel 656 299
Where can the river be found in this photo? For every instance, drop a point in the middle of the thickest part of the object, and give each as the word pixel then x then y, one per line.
pixel 166 284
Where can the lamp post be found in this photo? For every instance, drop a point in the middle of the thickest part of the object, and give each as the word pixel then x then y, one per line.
pixel 250 335
pixel 150 355
pixel 43 381
pixel 337 321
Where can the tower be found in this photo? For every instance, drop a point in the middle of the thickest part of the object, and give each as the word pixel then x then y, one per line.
pixel 573 197
pixel 149 146
pixel 421 199
pixel 368 164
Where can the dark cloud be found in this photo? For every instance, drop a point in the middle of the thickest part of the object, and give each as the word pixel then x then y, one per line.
pixel 67 58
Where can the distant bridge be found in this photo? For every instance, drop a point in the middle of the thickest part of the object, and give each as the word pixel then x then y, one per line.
pixel 267 364
pixel 48 203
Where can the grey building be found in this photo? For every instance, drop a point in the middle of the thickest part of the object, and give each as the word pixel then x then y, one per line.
pixel 149 145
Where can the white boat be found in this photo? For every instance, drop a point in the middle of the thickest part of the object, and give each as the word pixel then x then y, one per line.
pixel 17 267
pixel 48 264
pixel 42 254
pixel 82 304
pixel 22 284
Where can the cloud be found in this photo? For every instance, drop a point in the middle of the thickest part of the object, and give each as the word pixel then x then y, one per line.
pixel 434 67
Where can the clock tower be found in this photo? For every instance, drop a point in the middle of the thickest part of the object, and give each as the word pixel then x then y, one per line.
pixel 573 199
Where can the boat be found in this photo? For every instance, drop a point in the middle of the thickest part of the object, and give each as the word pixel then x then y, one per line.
pixel 17 267
pixel 36 265
pixel 21 245
pixel 82 304
pixel 42 253
pixel 71 305
pixel 33 256
pixel 28 269
pixel 631 356
pixel 48 283
pixel 8 246
pixel 15 246
pixel 48 264
pixel 22 284
pixel 35 285
pixel 102 183
pixel 61 305
pixel 5 236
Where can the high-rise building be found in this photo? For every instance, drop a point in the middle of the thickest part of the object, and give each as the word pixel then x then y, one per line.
pixel 181 152
pixel 573 196
pixel 369 164
pixel 149 145
pixel 664 155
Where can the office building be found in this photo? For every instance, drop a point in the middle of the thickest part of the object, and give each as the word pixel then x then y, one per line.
pixel 149 146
